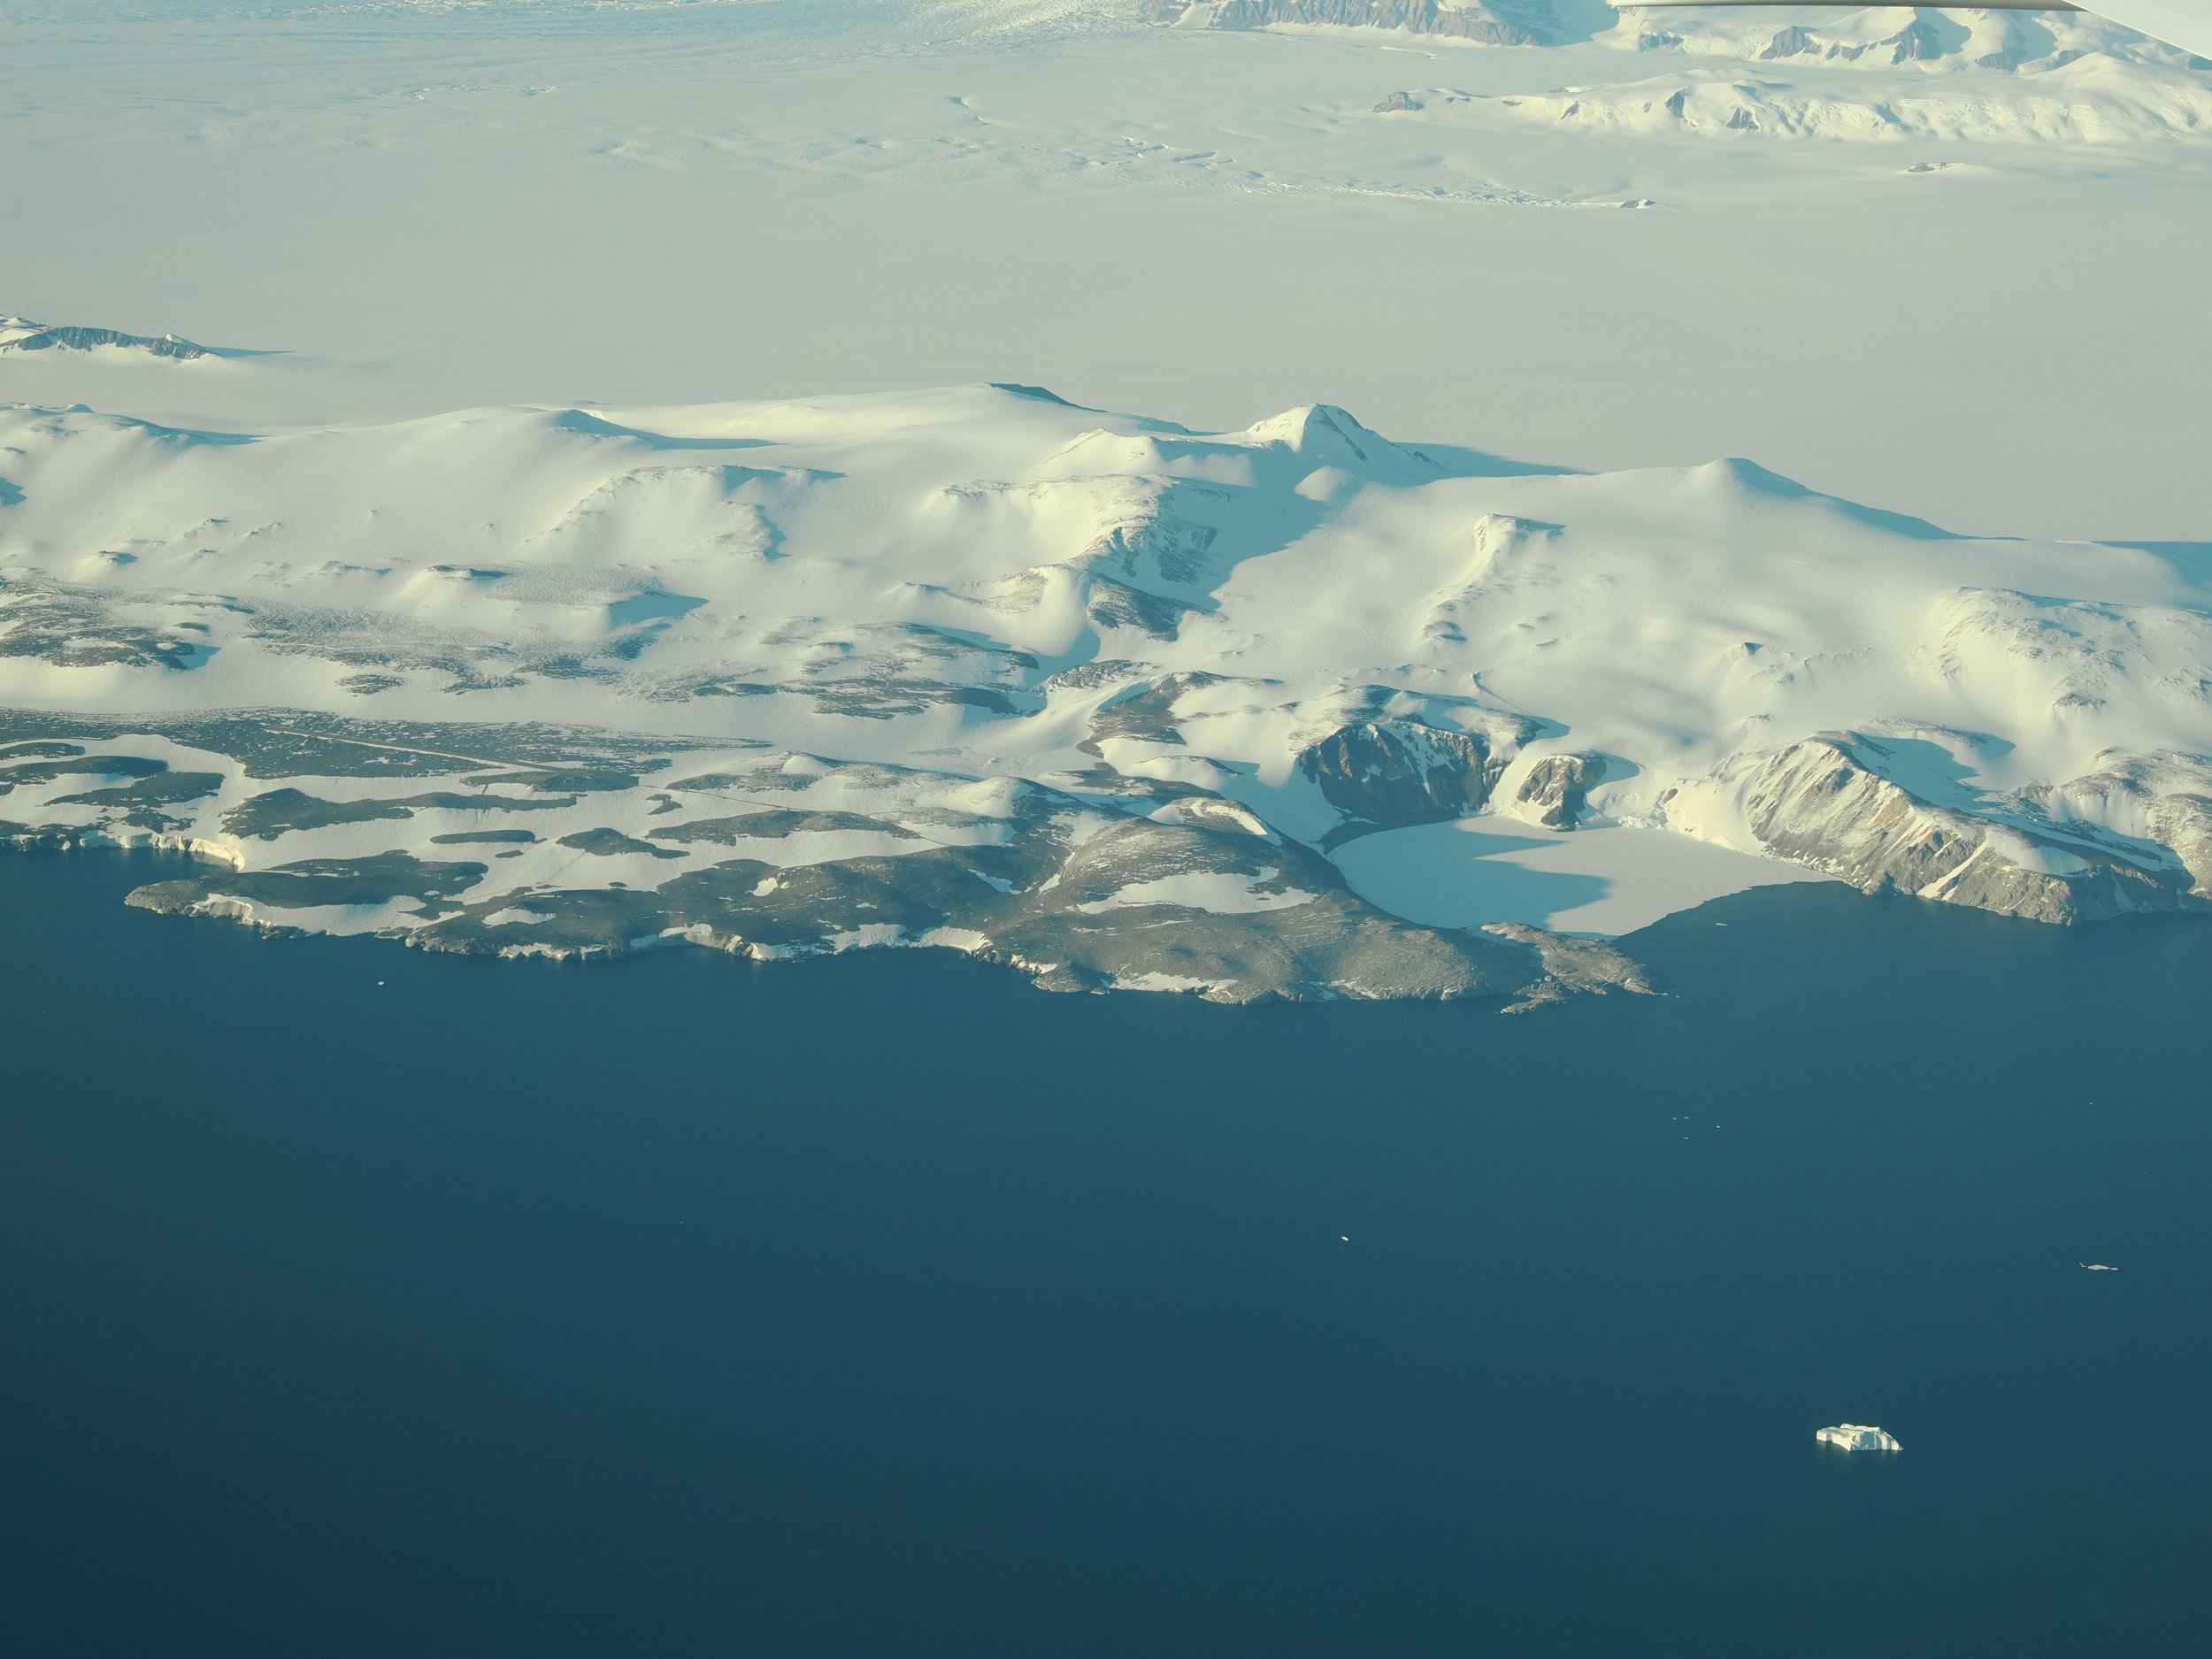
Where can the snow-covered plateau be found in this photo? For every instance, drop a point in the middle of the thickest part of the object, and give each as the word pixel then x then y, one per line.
pixel 1120 701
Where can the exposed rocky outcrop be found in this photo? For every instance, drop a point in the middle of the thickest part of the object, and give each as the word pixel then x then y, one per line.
pixel 2165 799
pixel 1387 773
pixel 18 333
pixel 1571 967
pixel 2183 822
pixel 1144 713
pixel 1166 888
pixel 1818 803
pixel 428 887
pixel 1557 788
pixel 1788 42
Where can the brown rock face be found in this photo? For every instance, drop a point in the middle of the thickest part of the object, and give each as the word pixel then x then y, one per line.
pixel 1387 773
pixel 1558 787
pixel 1816 804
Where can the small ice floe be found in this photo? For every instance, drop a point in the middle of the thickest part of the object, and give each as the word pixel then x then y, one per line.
pixel 1859 1436
pixel 1346 1237
pixel 2099 1267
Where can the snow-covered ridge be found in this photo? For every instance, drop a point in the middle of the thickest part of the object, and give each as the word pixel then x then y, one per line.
pixel 1933 40
pixel 2082 111
pixel 1937 38
pixel 2085 102
pixel 19 334
pixel 1877 73
pixel 985 618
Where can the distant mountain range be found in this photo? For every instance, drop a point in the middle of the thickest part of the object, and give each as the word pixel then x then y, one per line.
pixel 1940 37
pixel 19 334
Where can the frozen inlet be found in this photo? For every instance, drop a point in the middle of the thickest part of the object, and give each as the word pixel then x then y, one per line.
pixel 1860 1437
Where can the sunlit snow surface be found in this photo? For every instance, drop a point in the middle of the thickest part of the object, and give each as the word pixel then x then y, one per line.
pixel 1534 657
pixel 436 207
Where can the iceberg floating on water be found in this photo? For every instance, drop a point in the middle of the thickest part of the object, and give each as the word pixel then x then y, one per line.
pixel 1860 1437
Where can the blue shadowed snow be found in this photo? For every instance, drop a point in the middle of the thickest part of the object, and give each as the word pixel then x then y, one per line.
pixel 650 607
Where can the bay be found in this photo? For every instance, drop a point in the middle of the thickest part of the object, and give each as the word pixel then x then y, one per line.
pixel 361 1301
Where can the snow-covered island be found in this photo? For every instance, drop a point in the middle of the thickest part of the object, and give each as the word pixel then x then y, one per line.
pixel 1859 1436
pixel 1279 708
pixel 1120 702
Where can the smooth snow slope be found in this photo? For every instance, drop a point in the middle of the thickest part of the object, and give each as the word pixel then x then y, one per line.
pixel 436 208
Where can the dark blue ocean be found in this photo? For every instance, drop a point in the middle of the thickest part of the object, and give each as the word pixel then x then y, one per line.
pixel 888 1306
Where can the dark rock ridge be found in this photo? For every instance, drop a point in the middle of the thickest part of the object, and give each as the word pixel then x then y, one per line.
pixel 1387 773
pixel 1157 886
pixel 1558 788
pixel 1819 803
pixel 40 337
